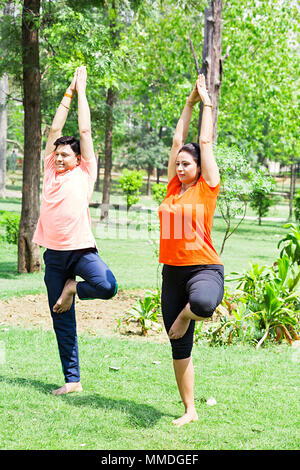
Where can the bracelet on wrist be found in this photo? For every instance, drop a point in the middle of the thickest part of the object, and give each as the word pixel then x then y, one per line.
pixel 64 106
pixel 209 105
pixel 189 102
pixel 68 95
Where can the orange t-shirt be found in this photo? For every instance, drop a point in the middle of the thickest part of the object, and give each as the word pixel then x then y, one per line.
pixel 64 222
pixel 185 224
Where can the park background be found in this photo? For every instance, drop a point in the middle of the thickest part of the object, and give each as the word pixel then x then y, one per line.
pixel 142 59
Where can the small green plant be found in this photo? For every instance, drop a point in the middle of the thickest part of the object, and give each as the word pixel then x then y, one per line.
pixel 291 244
pixel 145 312
pixel 266 301
pixel 159 191
pixel 297 206
pixel 130 182
pixel 11 222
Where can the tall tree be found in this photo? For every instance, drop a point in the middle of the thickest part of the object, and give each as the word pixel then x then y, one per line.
pixel 3 132
pixel 110 99
pixel 28 252
pixel 3 113
pixel 212 56
pixel 107 152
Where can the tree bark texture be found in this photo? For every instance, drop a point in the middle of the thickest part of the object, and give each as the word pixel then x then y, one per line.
pixel 292 188
pixel 107 153
pixel 211 57
pixel 97 184
pixel 109 125
pixel 3 132
pixel 28 252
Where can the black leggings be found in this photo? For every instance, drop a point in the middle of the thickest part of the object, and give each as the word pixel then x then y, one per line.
pixel 200 285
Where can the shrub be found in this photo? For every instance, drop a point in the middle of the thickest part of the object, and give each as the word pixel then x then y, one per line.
pixel 297 206
pixel 130 182
pixel 266 303
pixel 11 222
pixel 159 191
pixel 145 312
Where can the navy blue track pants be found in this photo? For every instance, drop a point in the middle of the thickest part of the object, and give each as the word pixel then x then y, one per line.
pixel 98 283
pixel 200 285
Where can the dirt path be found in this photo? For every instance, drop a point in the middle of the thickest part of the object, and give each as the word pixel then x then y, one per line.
pixel 96 317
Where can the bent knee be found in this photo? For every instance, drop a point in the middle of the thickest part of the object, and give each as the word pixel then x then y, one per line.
pixel 108 290
pixel 202 307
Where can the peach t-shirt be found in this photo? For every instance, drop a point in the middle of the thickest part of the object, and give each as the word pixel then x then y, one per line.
pixel 64 222
pixel 185 224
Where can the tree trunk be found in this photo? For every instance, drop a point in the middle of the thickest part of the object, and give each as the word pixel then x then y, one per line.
pixel 211 57
pixel 28 252
pixel 292 189
pixel 109 121
pixel 3 132
pixel 149 173
pixel 97 184
pixel 157 175
pixel 107 153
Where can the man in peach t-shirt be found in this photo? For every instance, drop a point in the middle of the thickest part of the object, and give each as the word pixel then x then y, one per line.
pixel 64 229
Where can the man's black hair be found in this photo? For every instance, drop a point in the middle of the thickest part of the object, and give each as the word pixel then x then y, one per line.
pixel 69 140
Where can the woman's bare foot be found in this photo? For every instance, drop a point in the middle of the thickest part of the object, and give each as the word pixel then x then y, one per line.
pixel 69 387
pixel 180 326
pixel 64 302
pixel 188 417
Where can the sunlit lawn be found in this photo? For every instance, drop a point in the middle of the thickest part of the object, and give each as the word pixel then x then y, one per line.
pixel 132 405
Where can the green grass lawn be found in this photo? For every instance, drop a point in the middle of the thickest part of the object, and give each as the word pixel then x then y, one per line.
pixel 132 408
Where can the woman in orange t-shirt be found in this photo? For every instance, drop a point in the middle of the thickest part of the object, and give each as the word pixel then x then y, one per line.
pixel 193 274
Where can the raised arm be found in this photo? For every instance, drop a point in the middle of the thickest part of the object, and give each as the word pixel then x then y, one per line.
pixel 60 117
pixel 209 167
pixel 84 116
pixel 181 131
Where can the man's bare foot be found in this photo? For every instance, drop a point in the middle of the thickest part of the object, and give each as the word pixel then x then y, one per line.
pixel 180 326
pixel 69 387
pixel 188 417
pixel 64 302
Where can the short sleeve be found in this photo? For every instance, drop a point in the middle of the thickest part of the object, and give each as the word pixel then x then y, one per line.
pixel 89 167
pixel 208 190
pixel 49 161
pixel 173 186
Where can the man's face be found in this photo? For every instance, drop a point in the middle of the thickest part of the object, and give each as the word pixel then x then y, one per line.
pixel 65 159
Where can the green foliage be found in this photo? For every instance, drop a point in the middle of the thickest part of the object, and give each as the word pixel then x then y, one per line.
pixel 291 244
pixel 238 183
pixel 159 191
pixel 258 109
pixel 11 223
pixel 297 206
pixel 130 182
pixel 267 300
pixel 261 198
pixel 145 312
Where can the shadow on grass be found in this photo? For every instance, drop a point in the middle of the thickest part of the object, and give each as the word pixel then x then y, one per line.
pixel 139 414
pixel 11 200
pixel 8 270
pixel 40 386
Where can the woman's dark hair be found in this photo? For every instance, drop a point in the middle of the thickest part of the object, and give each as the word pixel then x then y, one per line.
pixel 194 150
pixel 69 140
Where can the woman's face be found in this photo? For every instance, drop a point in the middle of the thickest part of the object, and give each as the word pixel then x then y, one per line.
pixel 186 168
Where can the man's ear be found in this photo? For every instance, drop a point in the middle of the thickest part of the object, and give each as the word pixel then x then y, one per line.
pixel 78 159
